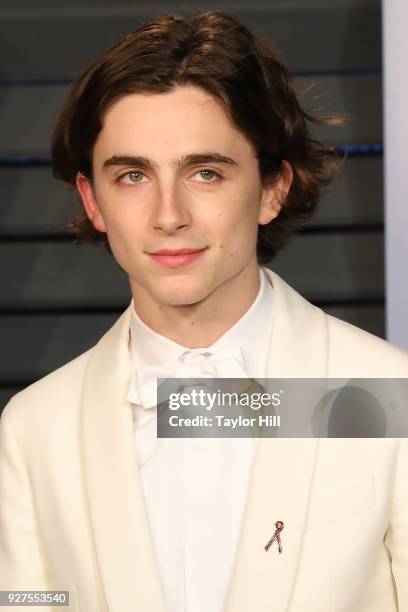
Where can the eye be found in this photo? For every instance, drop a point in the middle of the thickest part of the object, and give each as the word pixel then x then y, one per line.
pixel 135 176
pixel 207 175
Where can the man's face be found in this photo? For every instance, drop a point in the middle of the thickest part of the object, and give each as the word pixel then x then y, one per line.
pixel 193 184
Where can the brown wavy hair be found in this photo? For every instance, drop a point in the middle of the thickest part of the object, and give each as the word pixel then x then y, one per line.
pixel 218 53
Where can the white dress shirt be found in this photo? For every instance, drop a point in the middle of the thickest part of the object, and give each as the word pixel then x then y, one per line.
pixel 195 488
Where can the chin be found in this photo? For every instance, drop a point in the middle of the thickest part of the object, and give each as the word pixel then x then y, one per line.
pixel 180 300
pixel 181 296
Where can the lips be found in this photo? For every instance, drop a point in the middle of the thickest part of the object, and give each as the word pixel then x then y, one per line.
pixel 175 258
pixel 176 251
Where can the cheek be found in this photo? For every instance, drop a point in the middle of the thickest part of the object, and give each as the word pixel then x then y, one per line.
pixel 125 239
pixel 237 234
pixel 121 221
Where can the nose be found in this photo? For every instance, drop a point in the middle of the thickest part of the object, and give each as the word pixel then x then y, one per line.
pixel 170 212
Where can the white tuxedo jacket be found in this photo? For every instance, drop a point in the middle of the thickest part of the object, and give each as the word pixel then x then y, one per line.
pixel 72 513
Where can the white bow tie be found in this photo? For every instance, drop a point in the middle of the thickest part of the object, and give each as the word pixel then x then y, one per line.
pixel 224 363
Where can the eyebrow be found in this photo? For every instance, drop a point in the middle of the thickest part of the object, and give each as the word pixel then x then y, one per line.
pixel 186 160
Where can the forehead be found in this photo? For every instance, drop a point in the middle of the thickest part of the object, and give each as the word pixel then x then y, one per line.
pixel 184 118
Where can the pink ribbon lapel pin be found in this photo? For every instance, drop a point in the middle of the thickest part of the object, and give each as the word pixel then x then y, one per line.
pixel 276 536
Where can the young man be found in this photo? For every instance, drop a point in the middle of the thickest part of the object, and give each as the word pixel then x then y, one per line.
pixel 193 161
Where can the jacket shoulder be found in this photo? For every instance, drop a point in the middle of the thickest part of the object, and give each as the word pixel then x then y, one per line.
pixel 56 388
pixel 357 350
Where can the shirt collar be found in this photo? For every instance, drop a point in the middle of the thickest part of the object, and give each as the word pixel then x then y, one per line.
pixel 251 332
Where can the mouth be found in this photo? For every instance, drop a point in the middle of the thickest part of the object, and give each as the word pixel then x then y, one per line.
pixel 176 258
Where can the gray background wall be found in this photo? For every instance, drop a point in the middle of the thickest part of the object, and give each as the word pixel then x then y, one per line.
pixel 56 299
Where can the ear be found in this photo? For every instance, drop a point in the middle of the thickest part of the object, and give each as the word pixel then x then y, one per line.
pixel 89 201
pixel 274 194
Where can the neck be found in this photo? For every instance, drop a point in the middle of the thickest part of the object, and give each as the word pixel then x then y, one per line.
pixel 199 325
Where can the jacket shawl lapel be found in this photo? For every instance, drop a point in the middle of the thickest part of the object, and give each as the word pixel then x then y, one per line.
pixel 283 469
